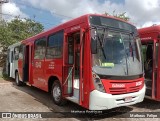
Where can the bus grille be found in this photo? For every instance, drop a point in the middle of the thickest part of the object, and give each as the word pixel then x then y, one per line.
pixel 127 89
pixel 122 87
pixel 116 91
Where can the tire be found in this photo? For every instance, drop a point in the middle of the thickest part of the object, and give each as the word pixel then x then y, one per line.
pixel 18 82
pixel 56 93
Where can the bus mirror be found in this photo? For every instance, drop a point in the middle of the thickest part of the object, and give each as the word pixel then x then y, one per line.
pixel 93 46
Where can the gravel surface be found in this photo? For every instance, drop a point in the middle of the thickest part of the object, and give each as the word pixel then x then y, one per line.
pixel 30 99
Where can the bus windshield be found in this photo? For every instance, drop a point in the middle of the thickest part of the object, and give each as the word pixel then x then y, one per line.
pixel 118 53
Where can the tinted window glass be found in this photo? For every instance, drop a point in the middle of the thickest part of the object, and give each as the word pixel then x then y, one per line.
pixel 40 46
pixel 55 42
pixel 109 22
pixel 21 52
pixel 11 56
pixel 16 53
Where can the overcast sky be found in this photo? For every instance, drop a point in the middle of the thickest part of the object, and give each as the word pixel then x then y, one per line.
pixel 53 12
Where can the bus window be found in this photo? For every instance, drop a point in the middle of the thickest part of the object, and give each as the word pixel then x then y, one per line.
pixel 16 53
pixel 70 50
pixel 40 46
pixel 77 56
pixel 54 46
pixel 11 56
pixel 148 62
pixel 21 52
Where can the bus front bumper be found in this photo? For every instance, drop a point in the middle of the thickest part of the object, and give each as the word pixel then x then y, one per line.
pixel 104 101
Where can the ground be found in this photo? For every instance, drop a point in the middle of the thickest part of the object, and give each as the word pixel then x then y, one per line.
pixel 30 99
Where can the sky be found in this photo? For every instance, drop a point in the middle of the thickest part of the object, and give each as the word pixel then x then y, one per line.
pixel 50 13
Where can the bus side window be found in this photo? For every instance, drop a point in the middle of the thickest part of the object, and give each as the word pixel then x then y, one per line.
pixel 70 50
pixel 54 45
pixel 16 53
pixel 11 56
pixel 144 49
pixel 40 46
pixel 21 52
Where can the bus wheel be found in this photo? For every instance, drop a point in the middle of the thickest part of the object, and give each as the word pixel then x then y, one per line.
pixel 18 83
pixel 56 93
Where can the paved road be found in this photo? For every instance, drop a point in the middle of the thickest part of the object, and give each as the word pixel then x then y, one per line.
pixel 31 99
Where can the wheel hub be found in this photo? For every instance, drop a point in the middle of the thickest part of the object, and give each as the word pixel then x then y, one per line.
pixel 56 93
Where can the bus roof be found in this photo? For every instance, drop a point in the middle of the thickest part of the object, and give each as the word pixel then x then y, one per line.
pixel 149 33
pixel 70 23
pixel 154 28
pixel 14 45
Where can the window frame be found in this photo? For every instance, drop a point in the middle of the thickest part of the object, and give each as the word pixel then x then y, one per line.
pixel 21 51
pixel 16 56
pixel 58 47
pixel 41 38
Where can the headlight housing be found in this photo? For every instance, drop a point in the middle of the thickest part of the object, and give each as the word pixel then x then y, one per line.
pixel 97 82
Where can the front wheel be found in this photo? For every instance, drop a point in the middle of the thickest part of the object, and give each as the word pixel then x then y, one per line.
pixel 56 93
pixel 18 82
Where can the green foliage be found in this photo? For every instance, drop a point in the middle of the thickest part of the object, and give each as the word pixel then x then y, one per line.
pixel 23 29
pixel 120 15
pixel 16 30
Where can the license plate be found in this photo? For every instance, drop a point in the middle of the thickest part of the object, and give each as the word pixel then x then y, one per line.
pixel 128 99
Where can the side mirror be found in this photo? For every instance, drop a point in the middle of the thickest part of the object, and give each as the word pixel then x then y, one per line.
pixel 93 46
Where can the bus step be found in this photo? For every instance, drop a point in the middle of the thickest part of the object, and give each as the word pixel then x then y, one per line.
pixel 73 99
pixel 27 83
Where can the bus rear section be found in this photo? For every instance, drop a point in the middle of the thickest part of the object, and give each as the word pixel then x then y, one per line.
pixel 12 60
pixel 150 37
pixel 94 61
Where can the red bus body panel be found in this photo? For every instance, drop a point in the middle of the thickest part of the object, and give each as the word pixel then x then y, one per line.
pixel 149 34
pixel 123 86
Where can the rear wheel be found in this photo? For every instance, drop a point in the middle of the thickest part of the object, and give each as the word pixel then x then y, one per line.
pixel 56 93
pixel 18 82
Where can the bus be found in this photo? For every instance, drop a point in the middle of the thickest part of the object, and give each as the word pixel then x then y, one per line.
pixel 12 59
pixel 150 37
pixel 94 61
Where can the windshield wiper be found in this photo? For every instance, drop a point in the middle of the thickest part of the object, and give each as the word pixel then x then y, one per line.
pixel 100 42
pixel 101 46
pixel 126 56
pixel 131 49
pixel 103 36
pixel 130 44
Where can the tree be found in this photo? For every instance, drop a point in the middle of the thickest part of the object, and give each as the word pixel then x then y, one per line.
pixel 120 15
pixel 25 28
pixel 14 31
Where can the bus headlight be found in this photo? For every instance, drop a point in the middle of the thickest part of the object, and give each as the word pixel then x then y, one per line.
pixel 98 83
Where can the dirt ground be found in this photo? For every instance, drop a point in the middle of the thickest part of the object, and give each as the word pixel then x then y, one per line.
pixel 27 99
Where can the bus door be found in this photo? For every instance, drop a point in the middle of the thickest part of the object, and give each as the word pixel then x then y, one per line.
pixel 155 69
pixel 38 63
pixel 148 66
pixel 157 65
pixel 150 50
pixel 25 69
pixel 72 69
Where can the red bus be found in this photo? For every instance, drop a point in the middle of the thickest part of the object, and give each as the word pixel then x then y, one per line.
pixel 94 61
pixel 150 37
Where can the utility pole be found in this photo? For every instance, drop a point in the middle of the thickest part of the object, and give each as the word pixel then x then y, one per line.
pixel 1 3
